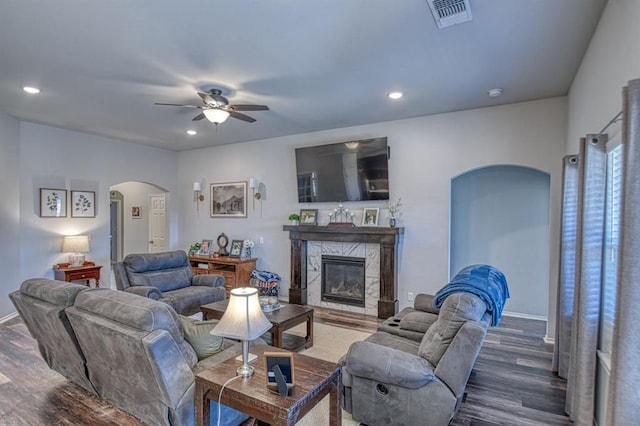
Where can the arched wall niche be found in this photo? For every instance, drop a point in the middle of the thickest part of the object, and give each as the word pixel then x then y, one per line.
pixel 500 216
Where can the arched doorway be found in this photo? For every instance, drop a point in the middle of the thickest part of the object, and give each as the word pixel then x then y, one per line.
pixel 500 216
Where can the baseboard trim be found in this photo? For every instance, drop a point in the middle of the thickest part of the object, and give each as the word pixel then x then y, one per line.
pixel 8 317
pixel 525 316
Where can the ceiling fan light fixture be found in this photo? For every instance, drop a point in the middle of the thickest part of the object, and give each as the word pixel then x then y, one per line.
pixel 216 115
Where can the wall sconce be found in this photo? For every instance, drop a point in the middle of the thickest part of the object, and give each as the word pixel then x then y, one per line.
pixel 197 195
pixel 254 185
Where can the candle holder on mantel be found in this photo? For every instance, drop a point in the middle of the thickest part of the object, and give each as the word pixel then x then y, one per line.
pixel 341 216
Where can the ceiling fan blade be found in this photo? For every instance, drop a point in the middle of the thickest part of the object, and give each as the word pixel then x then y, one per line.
pixel 198 117
pixel 242 117
pixel 179 105
pixel 249 107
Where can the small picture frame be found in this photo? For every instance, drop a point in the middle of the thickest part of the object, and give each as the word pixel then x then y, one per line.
pixel 284 361
pixel 308 216
pixel 236 248
pixel 229 199
pixel 205 247
pixel 136 212
pixel 370 216
pixel 53 202
pixel 83 204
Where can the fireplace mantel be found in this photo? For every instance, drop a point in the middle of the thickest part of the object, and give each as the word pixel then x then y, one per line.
pixel 387 238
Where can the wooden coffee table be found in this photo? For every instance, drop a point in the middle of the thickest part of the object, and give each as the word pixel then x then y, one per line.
pixel 283 319
pixel 315 379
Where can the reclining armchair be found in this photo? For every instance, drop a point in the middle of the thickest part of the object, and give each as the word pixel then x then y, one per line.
pixel 414 369
pixel 168 277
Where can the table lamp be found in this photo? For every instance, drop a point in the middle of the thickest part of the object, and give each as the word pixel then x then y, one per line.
pixel 243 320
pixel 75 245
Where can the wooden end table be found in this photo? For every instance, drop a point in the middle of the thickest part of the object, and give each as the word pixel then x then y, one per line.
pixel 77 273
pixel 282 319
pixel 315 379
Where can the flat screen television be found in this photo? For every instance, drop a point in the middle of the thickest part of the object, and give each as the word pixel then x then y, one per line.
pixel 346 171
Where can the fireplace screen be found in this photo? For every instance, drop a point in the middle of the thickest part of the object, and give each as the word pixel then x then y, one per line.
pixel 343 280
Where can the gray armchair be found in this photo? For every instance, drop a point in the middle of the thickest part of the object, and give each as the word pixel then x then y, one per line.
pixel 414 369
pixel 168 277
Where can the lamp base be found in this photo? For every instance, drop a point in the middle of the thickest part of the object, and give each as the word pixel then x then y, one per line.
pixel 245 370
pixel 76 259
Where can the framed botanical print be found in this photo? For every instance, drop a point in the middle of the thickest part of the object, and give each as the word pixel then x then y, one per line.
pixel 83 204
pixel 229 199
pixel 53 202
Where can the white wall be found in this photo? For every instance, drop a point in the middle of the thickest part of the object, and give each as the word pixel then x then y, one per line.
pixel 426 153
pixel 9 210
pixel 57 158
pixel 611 60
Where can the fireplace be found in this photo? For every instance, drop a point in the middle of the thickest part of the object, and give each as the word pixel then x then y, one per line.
pixel 343 280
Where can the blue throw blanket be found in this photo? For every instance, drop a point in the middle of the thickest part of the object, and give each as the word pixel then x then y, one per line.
pixel 486 282
pixel 265 276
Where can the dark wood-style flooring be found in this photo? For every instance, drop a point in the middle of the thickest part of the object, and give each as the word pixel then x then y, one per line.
pixel 511 384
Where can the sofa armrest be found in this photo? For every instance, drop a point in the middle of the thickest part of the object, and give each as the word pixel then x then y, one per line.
pixel 388 365
pixel 208 280
pixel 145 291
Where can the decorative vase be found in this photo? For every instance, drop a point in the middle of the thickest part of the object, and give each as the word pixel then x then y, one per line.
pixel 392 222
pixel 294 223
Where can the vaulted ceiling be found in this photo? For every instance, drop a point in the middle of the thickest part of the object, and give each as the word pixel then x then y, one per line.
pixel 318 64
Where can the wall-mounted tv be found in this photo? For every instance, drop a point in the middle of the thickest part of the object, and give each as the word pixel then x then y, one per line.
pixel 346 171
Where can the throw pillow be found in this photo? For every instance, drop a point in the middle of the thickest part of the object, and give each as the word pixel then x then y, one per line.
pixel 197 334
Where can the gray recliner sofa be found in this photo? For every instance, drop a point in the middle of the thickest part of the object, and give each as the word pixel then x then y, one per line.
pixel 126 349
pixel 414 369
pixel 168 277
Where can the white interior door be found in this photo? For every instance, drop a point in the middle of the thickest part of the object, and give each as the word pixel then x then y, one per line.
pixel 157 224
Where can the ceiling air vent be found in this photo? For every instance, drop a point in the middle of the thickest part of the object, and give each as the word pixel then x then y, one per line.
pixel 450 12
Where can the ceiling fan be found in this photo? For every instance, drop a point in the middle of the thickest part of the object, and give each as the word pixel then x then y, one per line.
pixel 216 108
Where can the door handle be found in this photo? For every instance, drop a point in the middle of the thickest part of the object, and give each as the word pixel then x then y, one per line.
pixel 151 242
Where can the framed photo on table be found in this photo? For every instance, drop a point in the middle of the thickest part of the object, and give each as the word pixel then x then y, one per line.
pixel 370 216
pixel 236 248
pixel 308 216
pixel 205 248
pixel 229 199
pixel 83 204
pixel 53 202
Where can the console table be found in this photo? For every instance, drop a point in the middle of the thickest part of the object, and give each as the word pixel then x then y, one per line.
pixel 236 270
pixel 78 273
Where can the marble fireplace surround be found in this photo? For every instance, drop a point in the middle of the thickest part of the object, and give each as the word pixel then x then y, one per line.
pixel 377 245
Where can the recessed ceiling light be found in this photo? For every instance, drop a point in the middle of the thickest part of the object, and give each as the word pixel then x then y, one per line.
pixel 31 90
pixel 192 132
pixel 394 95
pixel 495 93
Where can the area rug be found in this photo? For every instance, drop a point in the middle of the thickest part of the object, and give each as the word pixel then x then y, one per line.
pixel 329 343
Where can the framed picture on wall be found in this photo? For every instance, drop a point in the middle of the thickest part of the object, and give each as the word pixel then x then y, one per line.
pixel 136 212
pixel 53 202
pixel 83 204
pixel 229 199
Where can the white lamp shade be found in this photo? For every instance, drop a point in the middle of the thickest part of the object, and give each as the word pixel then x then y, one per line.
pixel 253 183
pixel 197 186
pixel 216 115
pixel 75 244
pixel 243 319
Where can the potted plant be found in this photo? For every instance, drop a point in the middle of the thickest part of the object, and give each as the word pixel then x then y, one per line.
pixel 294 218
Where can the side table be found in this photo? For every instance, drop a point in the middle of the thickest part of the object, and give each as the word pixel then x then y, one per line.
pixel 76 273
pixel 315 379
